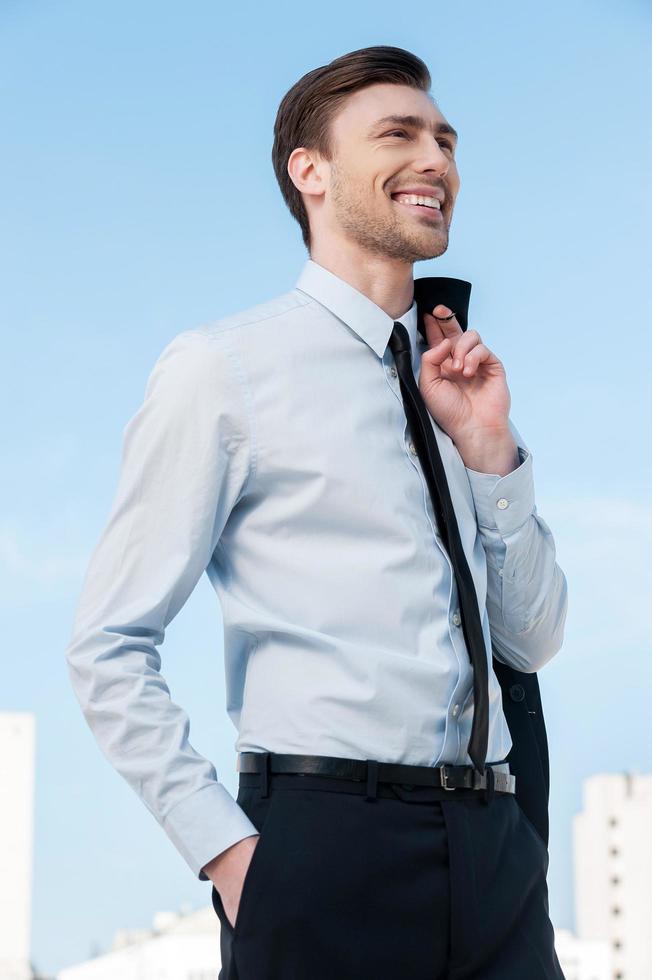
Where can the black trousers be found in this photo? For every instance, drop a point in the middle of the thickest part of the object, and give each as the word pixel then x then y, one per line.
pixel 418 883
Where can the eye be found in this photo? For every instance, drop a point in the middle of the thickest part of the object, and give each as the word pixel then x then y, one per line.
pixel 401 132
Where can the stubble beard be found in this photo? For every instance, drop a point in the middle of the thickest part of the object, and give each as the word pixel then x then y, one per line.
pixel 383 234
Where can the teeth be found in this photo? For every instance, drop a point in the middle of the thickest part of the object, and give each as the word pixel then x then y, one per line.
pixel 430 202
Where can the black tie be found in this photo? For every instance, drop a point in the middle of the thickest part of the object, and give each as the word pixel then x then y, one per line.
pixel 428 451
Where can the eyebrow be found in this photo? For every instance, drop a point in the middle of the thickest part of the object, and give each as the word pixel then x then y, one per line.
pixel 416 122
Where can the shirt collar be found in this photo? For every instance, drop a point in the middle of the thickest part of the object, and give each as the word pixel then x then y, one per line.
pixel 367 320
pixel 361 314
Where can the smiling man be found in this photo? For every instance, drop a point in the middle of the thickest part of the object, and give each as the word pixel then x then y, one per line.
pixel 369 204
pixel 341 462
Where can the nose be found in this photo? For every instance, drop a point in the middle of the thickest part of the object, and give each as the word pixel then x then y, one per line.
pixel 434 158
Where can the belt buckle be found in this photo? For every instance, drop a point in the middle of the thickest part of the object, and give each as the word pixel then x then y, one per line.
pixel 444 777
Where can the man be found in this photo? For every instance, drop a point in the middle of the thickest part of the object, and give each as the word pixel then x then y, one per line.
pixel 283 451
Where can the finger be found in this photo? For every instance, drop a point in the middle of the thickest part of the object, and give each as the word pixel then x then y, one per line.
pixel 441 316
pixel 434 332
pixel 474 358
pixel 447 321
pixel 462 345
pixel 440 323
pixel 435 356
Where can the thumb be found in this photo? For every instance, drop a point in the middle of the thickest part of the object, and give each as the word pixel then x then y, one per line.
pixel 434 357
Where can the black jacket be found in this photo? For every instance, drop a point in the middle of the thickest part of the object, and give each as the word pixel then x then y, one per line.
pixel 528 758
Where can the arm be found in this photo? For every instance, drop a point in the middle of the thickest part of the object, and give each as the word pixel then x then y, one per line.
pixel 186 460
pixel 527 592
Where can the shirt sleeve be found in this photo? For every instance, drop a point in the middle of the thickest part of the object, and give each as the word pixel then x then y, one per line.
pixel 186 460
pixel 527 592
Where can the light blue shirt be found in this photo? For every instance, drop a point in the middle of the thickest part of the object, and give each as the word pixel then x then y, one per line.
pixel 272 451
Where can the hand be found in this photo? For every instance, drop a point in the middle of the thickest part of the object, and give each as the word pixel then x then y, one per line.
pixel 228 871
pixel 469 401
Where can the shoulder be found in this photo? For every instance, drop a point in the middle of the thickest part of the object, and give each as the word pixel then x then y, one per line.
pixel 285 306
pixel 208 357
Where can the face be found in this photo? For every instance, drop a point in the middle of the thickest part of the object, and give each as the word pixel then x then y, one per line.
pixel 374 158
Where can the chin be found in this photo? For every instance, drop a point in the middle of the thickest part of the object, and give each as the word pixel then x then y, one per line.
pixel 434 250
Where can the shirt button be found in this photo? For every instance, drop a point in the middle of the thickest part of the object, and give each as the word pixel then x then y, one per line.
pixel 412 448
pixel 500 572
pixel 456 709
pixel 502 503
pixel 392 371
pixel 457 619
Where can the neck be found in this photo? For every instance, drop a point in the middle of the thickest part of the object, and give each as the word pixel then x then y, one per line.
pixel 387 282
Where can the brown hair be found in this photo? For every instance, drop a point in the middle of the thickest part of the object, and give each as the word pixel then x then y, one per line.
pixel 307 109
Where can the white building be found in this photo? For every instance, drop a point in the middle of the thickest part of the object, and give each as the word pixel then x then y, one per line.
pixel 612 843
pixel 582 959
pixel 178 947
pixel 17 742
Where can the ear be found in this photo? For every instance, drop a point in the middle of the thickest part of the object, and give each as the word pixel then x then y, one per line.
pixel 306 171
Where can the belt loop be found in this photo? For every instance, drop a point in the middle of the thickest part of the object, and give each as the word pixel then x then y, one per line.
pixel 489 788
pixel 264 775
pixel 372 779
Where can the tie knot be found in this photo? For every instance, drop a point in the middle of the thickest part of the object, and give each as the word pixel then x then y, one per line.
pixel 399 341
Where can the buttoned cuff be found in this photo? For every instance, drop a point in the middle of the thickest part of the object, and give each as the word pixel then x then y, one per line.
pixel 205 824
pixel 504 503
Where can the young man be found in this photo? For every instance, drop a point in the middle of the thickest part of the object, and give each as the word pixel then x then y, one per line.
pixel 280 451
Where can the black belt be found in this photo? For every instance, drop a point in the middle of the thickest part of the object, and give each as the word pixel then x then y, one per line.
pixel 446 776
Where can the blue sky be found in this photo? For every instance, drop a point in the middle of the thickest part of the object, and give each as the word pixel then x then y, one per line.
pixel 139 200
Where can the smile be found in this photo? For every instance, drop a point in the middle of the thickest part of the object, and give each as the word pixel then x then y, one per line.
pixel 422 210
